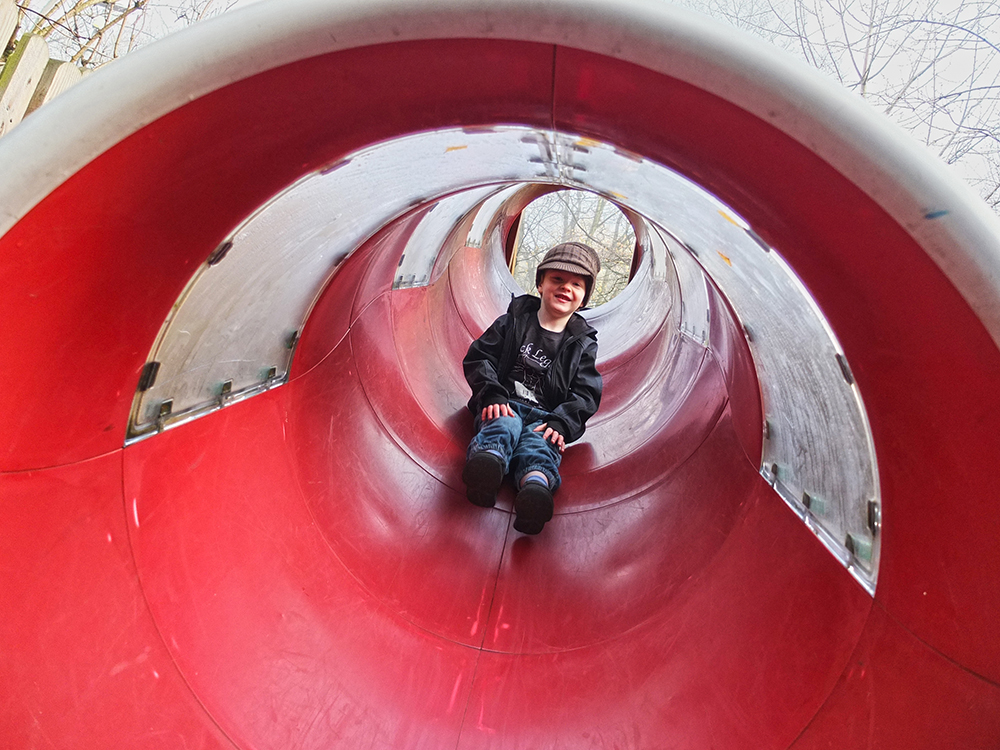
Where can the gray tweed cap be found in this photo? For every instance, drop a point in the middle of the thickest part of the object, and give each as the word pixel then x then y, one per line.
pixel 574 257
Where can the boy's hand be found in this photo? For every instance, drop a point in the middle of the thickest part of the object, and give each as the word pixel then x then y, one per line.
pixel 552 436
pixel 496 410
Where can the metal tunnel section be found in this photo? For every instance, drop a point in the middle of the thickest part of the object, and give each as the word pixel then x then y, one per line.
pixel 232 334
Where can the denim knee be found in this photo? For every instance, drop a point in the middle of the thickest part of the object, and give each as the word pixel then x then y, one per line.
pixel 535 453
pixel 499 435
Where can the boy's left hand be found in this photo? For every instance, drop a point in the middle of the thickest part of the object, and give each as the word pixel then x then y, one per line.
pixel 552 436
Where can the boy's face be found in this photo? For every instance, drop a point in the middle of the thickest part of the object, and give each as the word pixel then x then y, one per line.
pixel 562 292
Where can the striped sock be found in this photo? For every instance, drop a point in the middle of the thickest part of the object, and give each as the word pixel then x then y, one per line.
pixel 538 478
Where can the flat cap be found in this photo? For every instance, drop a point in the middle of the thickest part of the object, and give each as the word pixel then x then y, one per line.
pixel 574 257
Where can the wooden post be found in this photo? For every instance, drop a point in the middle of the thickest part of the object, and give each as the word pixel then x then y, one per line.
pixel 8 21
pixel 56 78
pixel 20 77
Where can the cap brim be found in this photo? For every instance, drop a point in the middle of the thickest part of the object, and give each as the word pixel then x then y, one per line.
pixel 560 265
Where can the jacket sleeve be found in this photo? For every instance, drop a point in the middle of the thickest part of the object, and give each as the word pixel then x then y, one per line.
pixel 482 365
pixel 570 417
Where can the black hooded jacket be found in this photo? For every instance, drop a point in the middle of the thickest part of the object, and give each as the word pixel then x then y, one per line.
pixel 572 381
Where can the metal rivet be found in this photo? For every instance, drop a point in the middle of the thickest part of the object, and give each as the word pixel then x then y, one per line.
pixel 874 517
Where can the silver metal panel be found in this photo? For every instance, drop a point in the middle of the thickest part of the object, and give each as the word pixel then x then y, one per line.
pixel 425 244
pixel 810 368
pixel 490 217
pixel 696 313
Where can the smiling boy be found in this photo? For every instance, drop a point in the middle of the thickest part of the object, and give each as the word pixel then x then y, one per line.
pixel 534 384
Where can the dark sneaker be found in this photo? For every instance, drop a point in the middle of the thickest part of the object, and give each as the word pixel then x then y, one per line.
pixel 482 475
pixel 533 506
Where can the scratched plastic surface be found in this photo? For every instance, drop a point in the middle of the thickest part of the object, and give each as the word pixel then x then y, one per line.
pixel 301 570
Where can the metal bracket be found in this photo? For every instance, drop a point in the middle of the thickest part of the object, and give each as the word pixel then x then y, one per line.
pixel 859 547
pixel 166 408
pixel 148 376
pixel 815 505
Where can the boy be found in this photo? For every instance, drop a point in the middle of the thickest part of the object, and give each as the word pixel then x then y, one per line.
pixel 534 385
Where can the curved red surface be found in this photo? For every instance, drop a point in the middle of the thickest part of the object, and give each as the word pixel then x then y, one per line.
pixel 301 569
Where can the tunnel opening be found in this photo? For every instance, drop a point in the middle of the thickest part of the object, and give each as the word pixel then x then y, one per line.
pixel 574 216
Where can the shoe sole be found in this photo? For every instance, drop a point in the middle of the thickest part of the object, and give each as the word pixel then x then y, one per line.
pixel 533 506
pixel 483 474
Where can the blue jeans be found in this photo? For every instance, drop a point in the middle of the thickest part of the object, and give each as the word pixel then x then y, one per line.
pixel 522 449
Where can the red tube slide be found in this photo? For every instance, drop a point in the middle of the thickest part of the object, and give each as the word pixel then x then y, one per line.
pixel 301 569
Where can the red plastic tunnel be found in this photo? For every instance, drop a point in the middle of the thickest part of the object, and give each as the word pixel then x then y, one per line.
pixel 302 570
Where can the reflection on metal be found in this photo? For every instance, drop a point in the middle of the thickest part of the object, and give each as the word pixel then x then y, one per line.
pixel 652 244
pixel 234 322
pixel 425 244
pixel 490 218
pixel 696 313
pixel 818 431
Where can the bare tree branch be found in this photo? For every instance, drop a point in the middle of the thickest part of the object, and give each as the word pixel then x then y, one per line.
pixel 931 65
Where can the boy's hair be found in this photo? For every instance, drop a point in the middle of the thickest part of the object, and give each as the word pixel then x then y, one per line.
pixel 574 257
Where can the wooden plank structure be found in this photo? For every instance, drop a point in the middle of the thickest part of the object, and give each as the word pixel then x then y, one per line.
pixel 29 78
pixel 8 20
pixel 56 78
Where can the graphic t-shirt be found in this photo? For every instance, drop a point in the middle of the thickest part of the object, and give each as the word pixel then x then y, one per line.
pixel 538 349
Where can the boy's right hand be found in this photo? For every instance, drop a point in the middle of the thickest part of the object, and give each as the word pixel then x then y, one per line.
pixel 496 410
